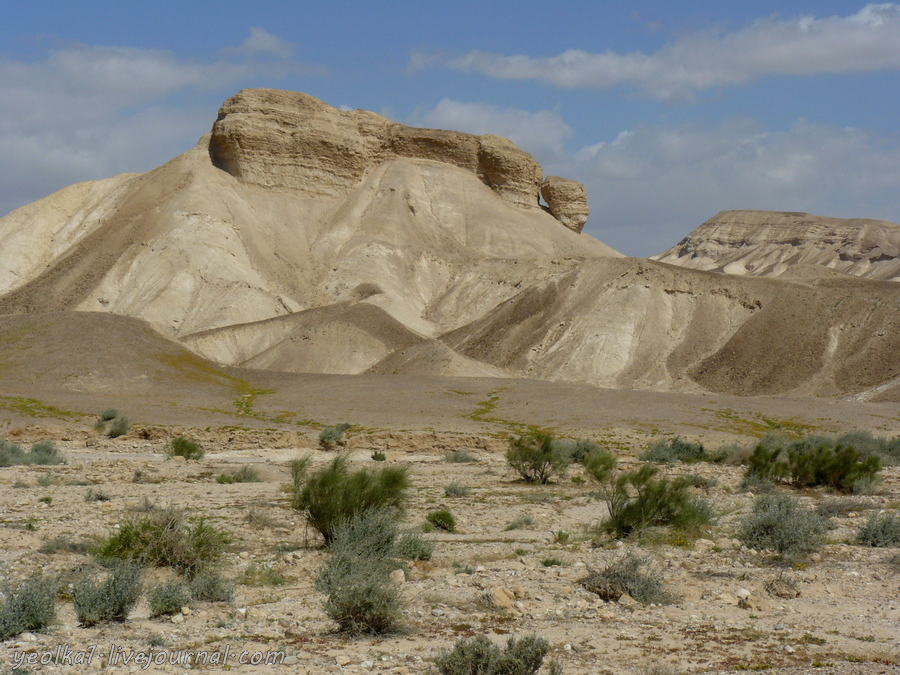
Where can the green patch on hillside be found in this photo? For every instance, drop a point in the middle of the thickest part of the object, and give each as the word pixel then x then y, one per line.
pixel 32 407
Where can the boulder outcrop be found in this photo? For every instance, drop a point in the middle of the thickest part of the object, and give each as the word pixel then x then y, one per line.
pixel 292 140
pixel 567 201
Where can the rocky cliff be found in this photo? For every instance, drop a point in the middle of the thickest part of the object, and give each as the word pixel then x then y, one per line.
pixel 774 243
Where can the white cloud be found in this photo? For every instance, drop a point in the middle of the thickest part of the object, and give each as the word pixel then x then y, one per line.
pixel 543 133
pixel 866 41
pixel 86 112
pixel 651 185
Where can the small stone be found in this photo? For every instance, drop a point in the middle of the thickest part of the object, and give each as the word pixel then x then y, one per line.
pixel 28 637
pixel 437 611
pixel 627 601
pixel 743 593
pixel 398 576
pixel 186 611
pixel 178 618
pixel 778 626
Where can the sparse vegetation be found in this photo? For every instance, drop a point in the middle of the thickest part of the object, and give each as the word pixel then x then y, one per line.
pixel 333 436
pixel 413 546
pixel 41 453
pixel 356 576
pixel 185 447
pixel 882 530
pixel 479 656
pixel 262 575
pixel 246 474
pixel 210 586
pixel 118 427
pixel 108 415
pixel 629 575
pixel 29 606
pixel 378 456
pixel 96 495
pixel 520 522
pixel 442 519
pixel 168 598
pixel 454 489
pixel 537 458
pixel 63 545
pixel 778 523
pixel 110 599
pixel 335 494
pixel 675 450
pixel 165 538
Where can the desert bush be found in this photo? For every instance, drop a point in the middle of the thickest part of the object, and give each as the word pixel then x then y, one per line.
pixel 811 461
pixel 97 495
pixel 118 427
pixel 629 575
pixel 185 447
pixel 576 450
pixel 41 453
pixel 164 538
pixel 335 494
pixel 378 456
pixel 886 449
pixel 778 523
pixel 209 586
pixel 108 415
pixel 111 599
pixel 29 606
pixel 882 530
pixel 246 474
pixel 675 450
pixel 479 656
pixel 460 457
pixel 442 519
pixel 262 575
pixel 637 500
pixel 456 490
pixel 520 522
pixel 413 546
pixel 361 598
pixel 536 457
pixel 168 598
pixel 333 436
pixel 64 545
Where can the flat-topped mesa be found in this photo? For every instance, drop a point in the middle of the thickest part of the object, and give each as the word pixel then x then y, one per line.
pixel 291 140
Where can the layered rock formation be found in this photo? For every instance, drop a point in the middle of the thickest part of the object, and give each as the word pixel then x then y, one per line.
pixel 300 238
pixel 773 243
pixel 567 201
pixel 295 141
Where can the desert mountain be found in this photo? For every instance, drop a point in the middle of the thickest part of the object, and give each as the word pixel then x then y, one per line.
pixel 770 243
pixel 297 237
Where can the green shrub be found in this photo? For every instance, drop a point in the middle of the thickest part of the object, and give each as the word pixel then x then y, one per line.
pixel 262 575
pixel 118 427
pixel 536 458
pixel 46 479
pixel 675 450
pixel 168 598
pixel 185 447
pixel 460 457
pixel 111 599
pixel 552 561
pixel 30 606
pixel 209 586
pixel 628 576
pixel 41 453
pixel 442 519
pixel 576 451
pixel 361 598
pixel 246 474
pixel 812 461
pixel 778 523
pixel 109 414
pixel 378 456
pixel 164 538
pixel 413 546
pixel 637 500
pixel 599 466
pixel 457 490
pixel 882 530
pixel 886 449
pixel 97 495
pixel 479 656
pixel 333 436
pixel 336 494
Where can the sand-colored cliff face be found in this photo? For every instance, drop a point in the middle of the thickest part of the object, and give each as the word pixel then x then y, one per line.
pixel 419 265
pixel 773 243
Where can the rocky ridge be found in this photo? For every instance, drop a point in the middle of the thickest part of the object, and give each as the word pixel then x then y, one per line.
pixel 772 243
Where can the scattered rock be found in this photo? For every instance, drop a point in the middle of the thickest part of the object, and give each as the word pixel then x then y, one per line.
pixel 567 201
pixel 398 576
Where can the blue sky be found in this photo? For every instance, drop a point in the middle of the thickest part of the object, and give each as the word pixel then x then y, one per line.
pixel 668 112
